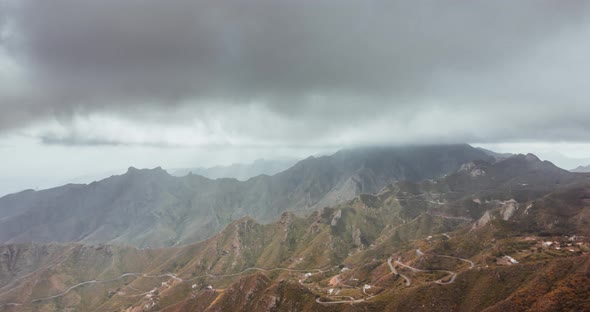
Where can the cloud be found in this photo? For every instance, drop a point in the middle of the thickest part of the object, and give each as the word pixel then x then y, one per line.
pixel 261 72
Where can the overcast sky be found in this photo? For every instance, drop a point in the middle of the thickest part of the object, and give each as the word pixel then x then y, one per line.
pixel 88 86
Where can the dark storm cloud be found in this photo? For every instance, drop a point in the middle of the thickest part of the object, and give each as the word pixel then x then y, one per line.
pixel 324 63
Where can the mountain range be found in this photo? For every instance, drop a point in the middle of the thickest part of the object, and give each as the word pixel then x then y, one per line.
pixel 150 208
pixel 582 169
pixel 238 171
pixel 490 235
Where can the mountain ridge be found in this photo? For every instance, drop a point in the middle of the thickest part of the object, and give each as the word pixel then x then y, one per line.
pixel 238 171
pixel 582 169
pixel 150 208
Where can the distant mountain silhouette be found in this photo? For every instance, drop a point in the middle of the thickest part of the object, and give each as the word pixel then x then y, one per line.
pixel 582 169
pixel 238 171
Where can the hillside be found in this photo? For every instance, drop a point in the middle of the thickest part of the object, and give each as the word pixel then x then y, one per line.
pixel 497 236
pixel 150 208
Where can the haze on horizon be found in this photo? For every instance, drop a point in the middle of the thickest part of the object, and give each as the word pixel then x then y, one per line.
pixel 92 86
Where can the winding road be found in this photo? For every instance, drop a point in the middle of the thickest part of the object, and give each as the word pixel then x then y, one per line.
pixel 452 275
pixel 394 271
pixel 95 282
pixel 408 282
pixel 450 281
pixel 471 264
pixel 170 275
pixel 450 217
pixel 253 269
pixel 352 300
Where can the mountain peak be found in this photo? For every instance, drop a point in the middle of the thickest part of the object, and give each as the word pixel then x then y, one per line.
pixel 532 158
pixel 156 170
pixel 582 169
pixel 531 161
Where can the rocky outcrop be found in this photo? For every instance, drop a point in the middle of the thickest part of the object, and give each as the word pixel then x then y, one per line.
pixel 336 217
